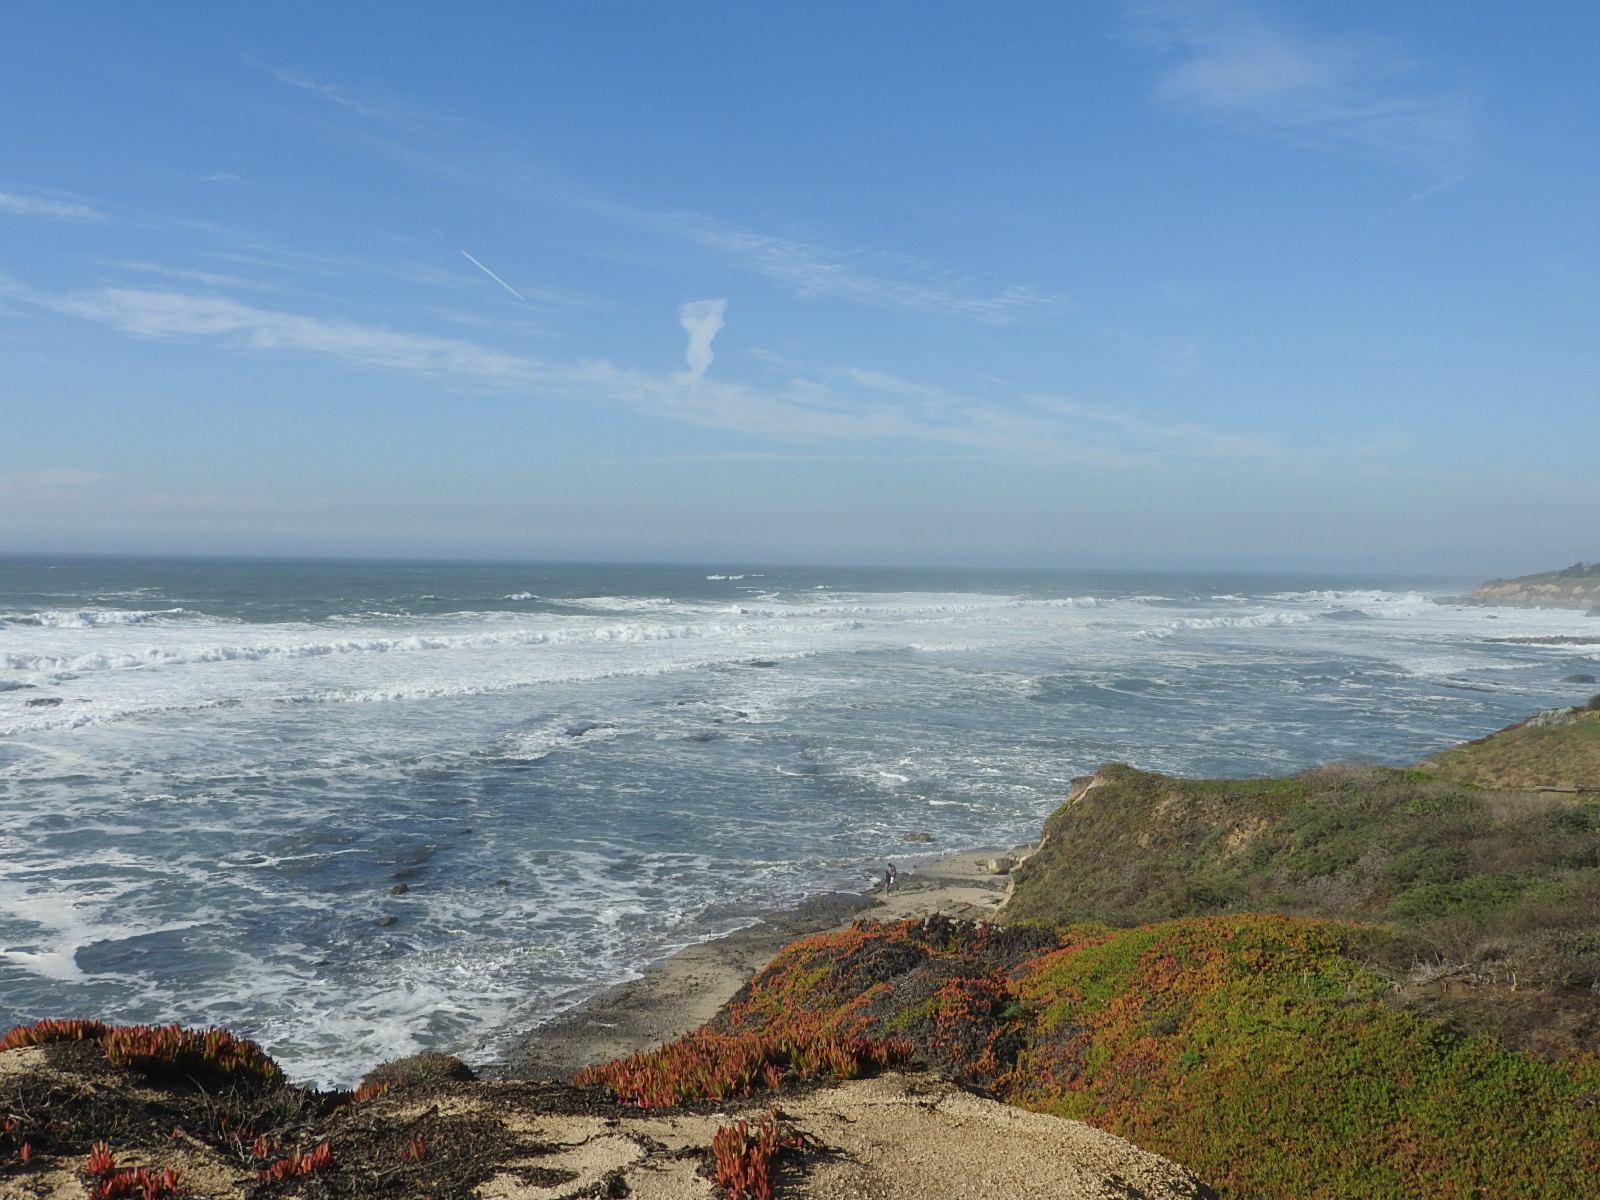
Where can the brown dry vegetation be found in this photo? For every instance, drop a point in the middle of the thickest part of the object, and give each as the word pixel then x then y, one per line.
pixel 1563 753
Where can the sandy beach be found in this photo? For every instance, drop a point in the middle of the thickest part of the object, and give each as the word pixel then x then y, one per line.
pixel 685 990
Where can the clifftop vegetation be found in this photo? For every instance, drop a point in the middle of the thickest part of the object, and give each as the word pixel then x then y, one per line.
pixel 1577 586
pixel 1490 895
pixel 1256 1050
pixel 1558 750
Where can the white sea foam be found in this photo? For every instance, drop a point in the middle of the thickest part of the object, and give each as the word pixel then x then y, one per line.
pixel 194 653
pixel 90 618
pixel 1258 620
pixel 210 822
pixel 622 603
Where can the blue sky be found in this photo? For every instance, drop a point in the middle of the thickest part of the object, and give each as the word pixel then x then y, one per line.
pixel 1155 284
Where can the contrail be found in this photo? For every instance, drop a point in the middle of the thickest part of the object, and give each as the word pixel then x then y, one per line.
pixel 494 277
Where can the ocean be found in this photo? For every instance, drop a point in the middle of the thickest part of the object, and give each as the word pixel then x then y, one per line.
pixel 356 809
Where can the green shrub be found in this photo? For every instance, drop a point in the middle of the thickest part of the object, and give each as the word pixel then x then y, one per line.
pixel 1473 898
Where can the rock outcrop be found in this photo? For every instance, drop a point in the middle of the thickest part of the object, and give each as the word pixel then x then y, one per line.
pixel 1577 586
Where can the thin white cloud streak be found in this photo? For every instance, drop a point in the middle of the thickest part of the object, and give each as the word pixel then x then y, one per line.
pixel 1185 437
pixel 42 206
pixel 494 277
pixel 366 103
pixel 209 278
pixel 149 313
pixel 25 482
pixel 52 494
pixel 1312 90
pixel 711 459
pixel 815 272
pixel 222 505
pixel 877 408
pixel 702 321
pixel 809 271
pixel 252 252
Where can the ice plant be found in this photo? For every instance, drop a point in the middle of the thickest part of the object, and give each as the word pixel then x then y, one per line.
pixel 214 1052
pixel 51 1030
pixel 298 1164
pixel 141 1183
pixel 416 1150
pixel 744 1155
pixel 712 1066
pixel 100 1160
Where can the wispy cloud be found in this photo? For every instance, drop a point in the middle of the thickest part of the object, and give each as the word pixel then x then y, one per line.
pixel 43 206
pixel 54 493
pixel 755 456
pixel 809 270
pixel 841 407
pixel 816 272
pixel 210 278
pixel 24 483
pixel 150 313
pixel 220 505
pixel 365 102
pixel 882 381
pixel 1158 435
pixel 1316 90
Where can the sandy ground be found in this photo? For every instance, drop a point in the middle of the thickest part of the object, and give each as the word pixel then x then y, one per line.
pixel 895 1137
pixel 683 992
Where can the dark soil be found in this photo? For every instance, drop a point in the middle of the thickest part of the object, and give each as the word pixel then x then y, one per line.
pixel 377 1150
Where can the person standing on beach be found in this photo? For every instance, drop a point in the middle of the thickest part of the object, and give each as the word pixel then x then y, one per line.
pixel 890 878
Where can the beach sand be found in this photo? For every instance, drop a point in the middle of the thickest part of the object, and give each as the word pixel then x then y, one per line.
pixel 684 991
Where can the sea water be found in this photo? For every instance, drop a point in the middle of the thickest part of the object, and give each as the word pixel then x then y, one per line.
pixel 220 780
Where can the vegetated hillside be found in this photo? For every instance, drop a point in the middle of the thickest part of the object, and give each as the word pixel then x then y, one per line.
pixel 1253 1049
pixel 1492 894
pixel 1558 750
pixel 1577 586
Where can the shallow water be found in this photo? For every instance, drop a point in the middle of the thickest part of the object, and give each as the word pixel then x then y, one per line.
pixel 576 769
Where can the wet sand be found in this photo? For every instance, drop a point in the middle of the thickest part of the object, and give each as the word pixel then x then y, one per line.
pixel 684 991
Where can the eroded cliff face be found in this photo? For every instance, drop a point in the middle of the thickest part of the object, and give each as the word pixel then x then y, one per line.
pixel 1577 586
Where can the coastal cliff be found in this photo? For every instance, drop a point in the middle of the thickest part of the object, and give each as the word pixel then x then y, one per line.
pixel 1577 586
pixel 1355 981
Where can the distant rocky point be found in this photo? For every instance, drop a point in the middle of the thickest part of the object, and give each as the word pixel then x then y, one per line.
pixel 1577 586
